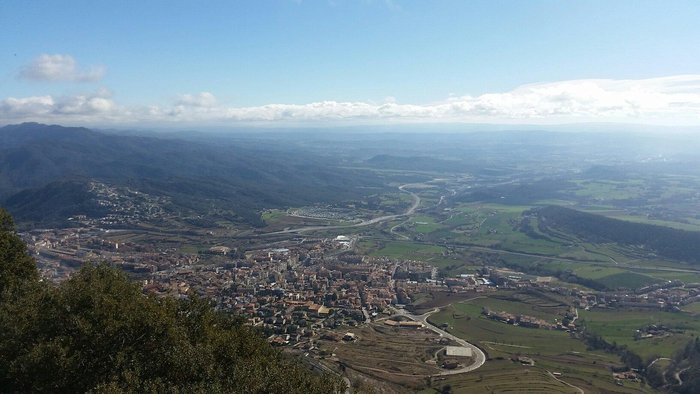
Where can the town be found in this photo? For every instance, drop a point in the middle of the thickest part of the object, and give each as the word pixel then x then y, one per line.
pixel 316 285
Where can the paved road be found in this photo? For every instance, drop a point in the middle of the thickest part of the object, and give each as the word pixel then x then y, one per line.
pixel 393 229
pixel 416 199
pixel 409 211
pixel 479 356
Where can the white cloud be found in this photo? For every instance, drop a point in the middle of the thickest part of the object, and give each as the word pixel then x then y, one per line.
pixel 96 104
pixel 203 99
pixel 668 100
pixel 19 108
pixel 60 68
pixel 590 100
pixel 83 107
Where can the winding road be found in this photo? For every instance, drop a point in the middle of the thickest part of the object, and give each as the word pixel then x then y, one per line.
pixel 478 354
pixel 409 211
pixel 677 375
pixel 658 359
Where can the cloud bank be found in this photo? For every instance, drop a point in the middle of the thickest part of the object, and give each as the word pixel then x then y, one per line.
pixel 668 100
pixel 60 68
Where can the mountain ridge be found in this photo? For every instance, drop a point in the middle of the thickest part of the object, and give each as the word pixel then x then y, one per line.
pixel 194 174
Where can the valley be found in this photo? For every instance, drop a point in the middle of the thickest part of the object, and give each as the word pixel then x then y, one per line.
pixel 535 270
pixel 350 197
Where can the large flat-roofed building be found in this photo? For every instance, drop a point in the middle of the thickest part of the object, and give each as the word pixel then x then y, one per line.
pixel 458 351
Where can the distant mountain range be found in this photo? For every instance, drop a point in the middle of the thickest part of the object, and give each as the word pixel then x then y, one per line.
pixel 45 170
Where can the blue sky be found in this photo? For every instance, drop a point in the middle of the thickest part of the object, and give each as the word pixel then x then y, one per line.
pixel 226 62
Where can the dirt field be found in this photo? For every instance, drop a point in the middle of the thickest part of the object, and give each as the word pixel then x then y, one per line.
pixel 402 356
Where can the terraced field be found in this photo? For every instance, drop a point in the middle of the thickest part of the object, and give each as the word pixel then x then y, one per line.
pixel 399 355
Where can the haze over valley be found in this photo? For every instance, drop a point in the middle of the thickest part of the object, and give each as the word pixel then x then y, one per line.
pixel 350 197
pixel 596 221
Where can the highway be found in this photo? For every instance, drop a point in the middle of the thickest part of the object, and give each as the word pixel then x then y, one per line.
pixel 409 211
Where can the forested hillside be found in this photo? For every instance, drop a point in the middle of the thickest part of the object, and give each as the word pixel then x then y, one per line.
pixel 665 241
pixel 196 175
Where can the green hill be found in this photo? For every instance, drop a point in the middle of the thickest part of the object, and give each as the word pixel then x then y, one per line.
pixel 207 173
pixel 664 241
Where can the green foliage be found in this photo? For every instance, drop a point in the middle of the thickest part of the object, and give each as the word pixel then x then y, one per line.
pixel 98 332
pixel 56 202
pixel 43 171
pixel 686 365
pixel 518 193
pixel 16 266
pixel 665 241
pixel 628 280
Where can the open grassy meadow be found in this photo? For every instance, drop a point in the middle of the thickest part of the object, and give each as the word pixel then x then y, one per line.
pixel 693 308
pixel 619 326
pixel 403 250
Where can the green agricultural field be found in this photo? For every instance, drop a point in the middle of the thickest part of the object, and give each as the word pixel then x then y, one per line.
pixel 523 303
pixel 190 249
pixel 613 277
pixel 490 207
pixel 366 246
pixel 462 221
pixel 424 224
pixel 691 225
pixel 406 250
pixel 693 308
pixel 465 321
pixel 497 227
pixel 628 280
pixel 619 326
pixel 610 190
pixel 687 277
pixel 273 215
pixel 396 200
pixel 552 351
pixel 494 225
pixel 596 272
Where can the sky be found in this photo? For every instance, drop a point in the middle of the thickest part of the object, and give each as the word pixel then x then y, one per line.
pixel 183 63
